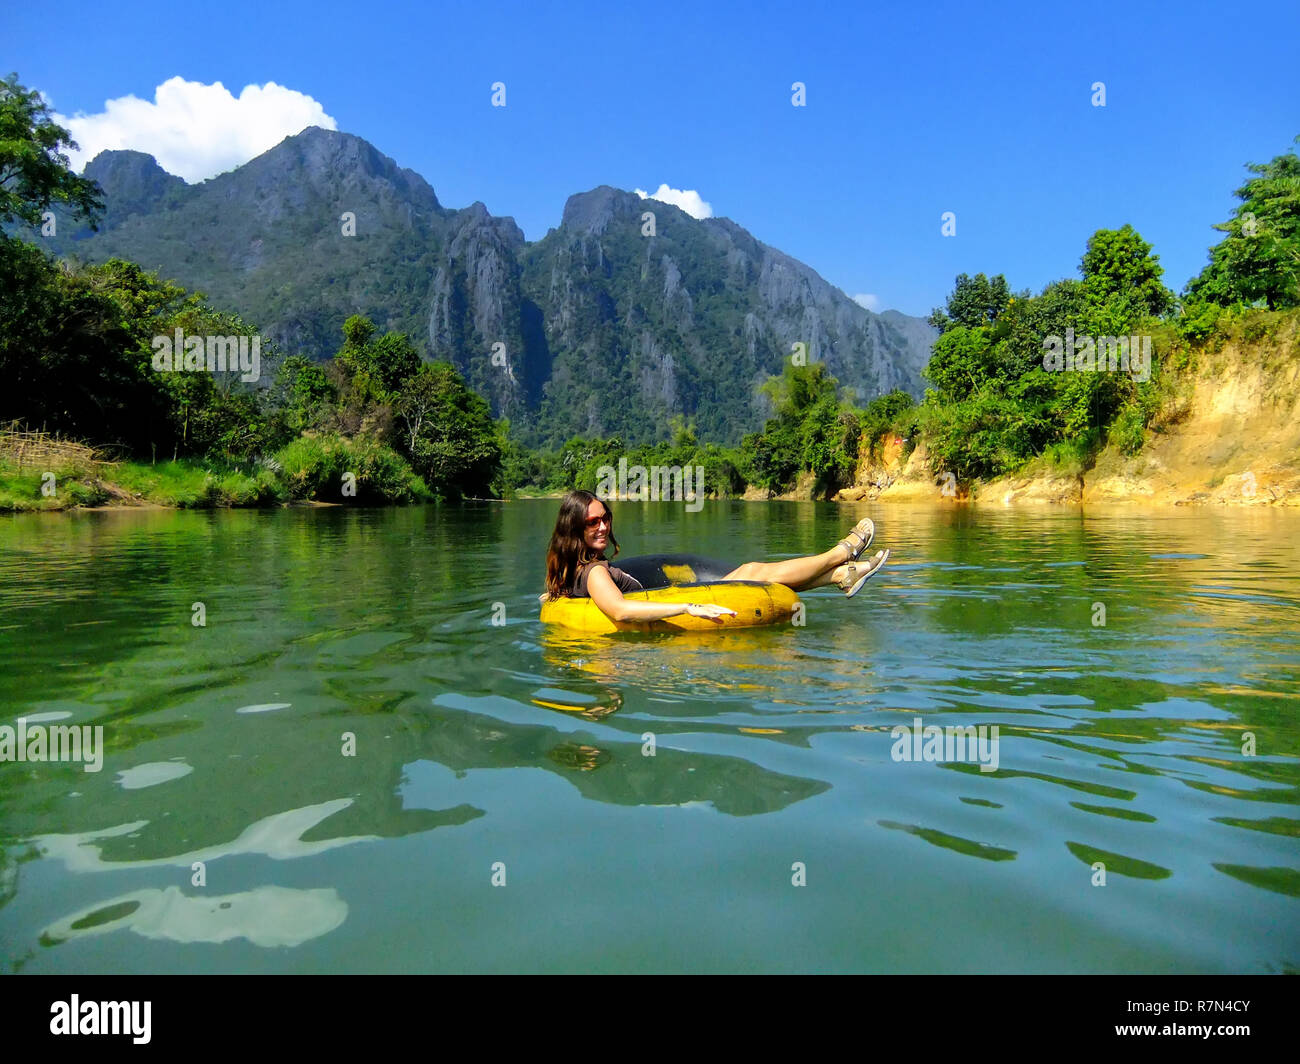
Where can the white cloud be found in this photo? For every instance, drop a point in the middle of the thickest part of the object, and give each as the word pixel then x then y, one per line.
pixel 196 131
pixel 687 199
pixel 866 299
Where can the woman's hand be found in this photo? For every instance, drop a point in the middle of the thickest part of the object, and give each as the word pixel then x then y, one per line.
pixel 696 609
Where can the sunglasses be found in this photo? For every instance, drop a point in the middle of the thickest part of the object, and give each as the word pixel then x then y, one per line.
pixel 592 522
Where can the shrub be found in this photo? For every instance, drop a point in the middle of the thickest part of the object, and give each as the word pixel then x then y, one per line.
pixel 314 467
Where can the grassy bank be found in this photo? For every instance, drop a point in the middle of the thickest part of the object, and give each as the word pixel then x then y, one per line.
pixel 38 472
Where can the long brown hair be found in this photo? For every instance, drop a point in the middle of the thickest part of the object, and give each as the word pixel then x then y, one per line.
pixel 568 549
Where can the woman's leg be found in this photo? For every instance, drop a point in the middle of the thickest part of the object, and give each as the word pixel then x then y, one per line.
pixel 798 574
pixel 827 577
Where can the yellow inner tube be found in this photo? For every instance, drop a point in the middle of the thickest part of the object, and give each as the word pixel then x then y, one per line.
pixel 755 603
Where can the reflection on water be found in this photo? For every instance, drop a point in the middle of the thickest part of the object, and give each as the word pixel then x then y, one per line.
pixel 280 837
pixel 267 916
pixel 672 775
pixel 353 740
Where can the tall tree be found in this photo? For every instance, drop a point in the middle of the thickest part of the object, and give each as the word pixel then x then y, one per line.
pixel 34 171
pixel 447 431
pixel 1118 264
pixel 1259 259
pixel 975 301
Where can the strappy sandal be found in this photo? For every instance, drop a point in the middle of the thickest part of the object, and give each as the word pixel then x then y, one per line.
pixel 865 531
pixel 855 575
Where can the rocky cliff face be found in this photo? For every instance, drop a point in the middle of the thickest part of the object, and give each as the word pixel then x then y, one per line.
pixel 596 328
pixel 476 310
pixel 1232 437
pixel 691 318
pixel 132 182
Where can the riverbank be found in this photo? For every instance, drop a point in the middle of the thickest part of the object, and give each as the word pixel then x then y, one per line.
pixel 172 485
pixel 39 472
pixel 1227 434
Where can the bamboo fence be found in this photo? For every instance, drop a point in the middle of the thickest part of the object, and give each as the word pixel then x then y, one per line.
pixel 38 451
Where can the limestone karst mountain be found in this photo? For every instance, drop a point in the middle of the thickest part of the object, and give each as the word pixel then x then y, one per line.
pixel 598 328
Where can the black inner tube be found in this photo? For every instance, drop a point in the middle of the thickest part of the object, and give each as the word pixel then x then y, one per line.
pixel 649 569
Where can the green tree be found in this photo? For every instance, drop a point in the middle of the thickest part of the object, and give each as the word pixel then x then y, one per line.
pixel 975 301
pixel 447 432
pixel 810 429
pixel 34 171
pixel 1259 259
pixel 884 414
pixel 369 375
pixel 519 466
pixel 75 350
pixel 771 457
pixel 303 392
pixel 983 435
pixel 374 369
pixel 1118 267
pixel 395 360
pixel 799 388
pixel 992 406
pixel 358 331
pixel 960 362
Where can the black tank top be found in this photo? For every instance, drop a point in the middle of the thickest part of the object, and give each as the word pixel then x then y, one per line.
pixel 622 580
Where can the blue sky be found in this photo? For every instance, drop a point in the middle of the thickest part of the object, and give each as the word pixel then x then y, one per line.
pixel 911 111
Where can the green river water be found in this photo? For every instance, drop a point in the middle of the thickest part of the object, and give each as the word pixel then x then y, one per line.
pixel 776 827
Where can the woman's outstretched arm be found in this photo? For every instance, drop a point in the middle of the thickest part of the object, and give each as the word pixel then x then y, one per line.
pixel 609 599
